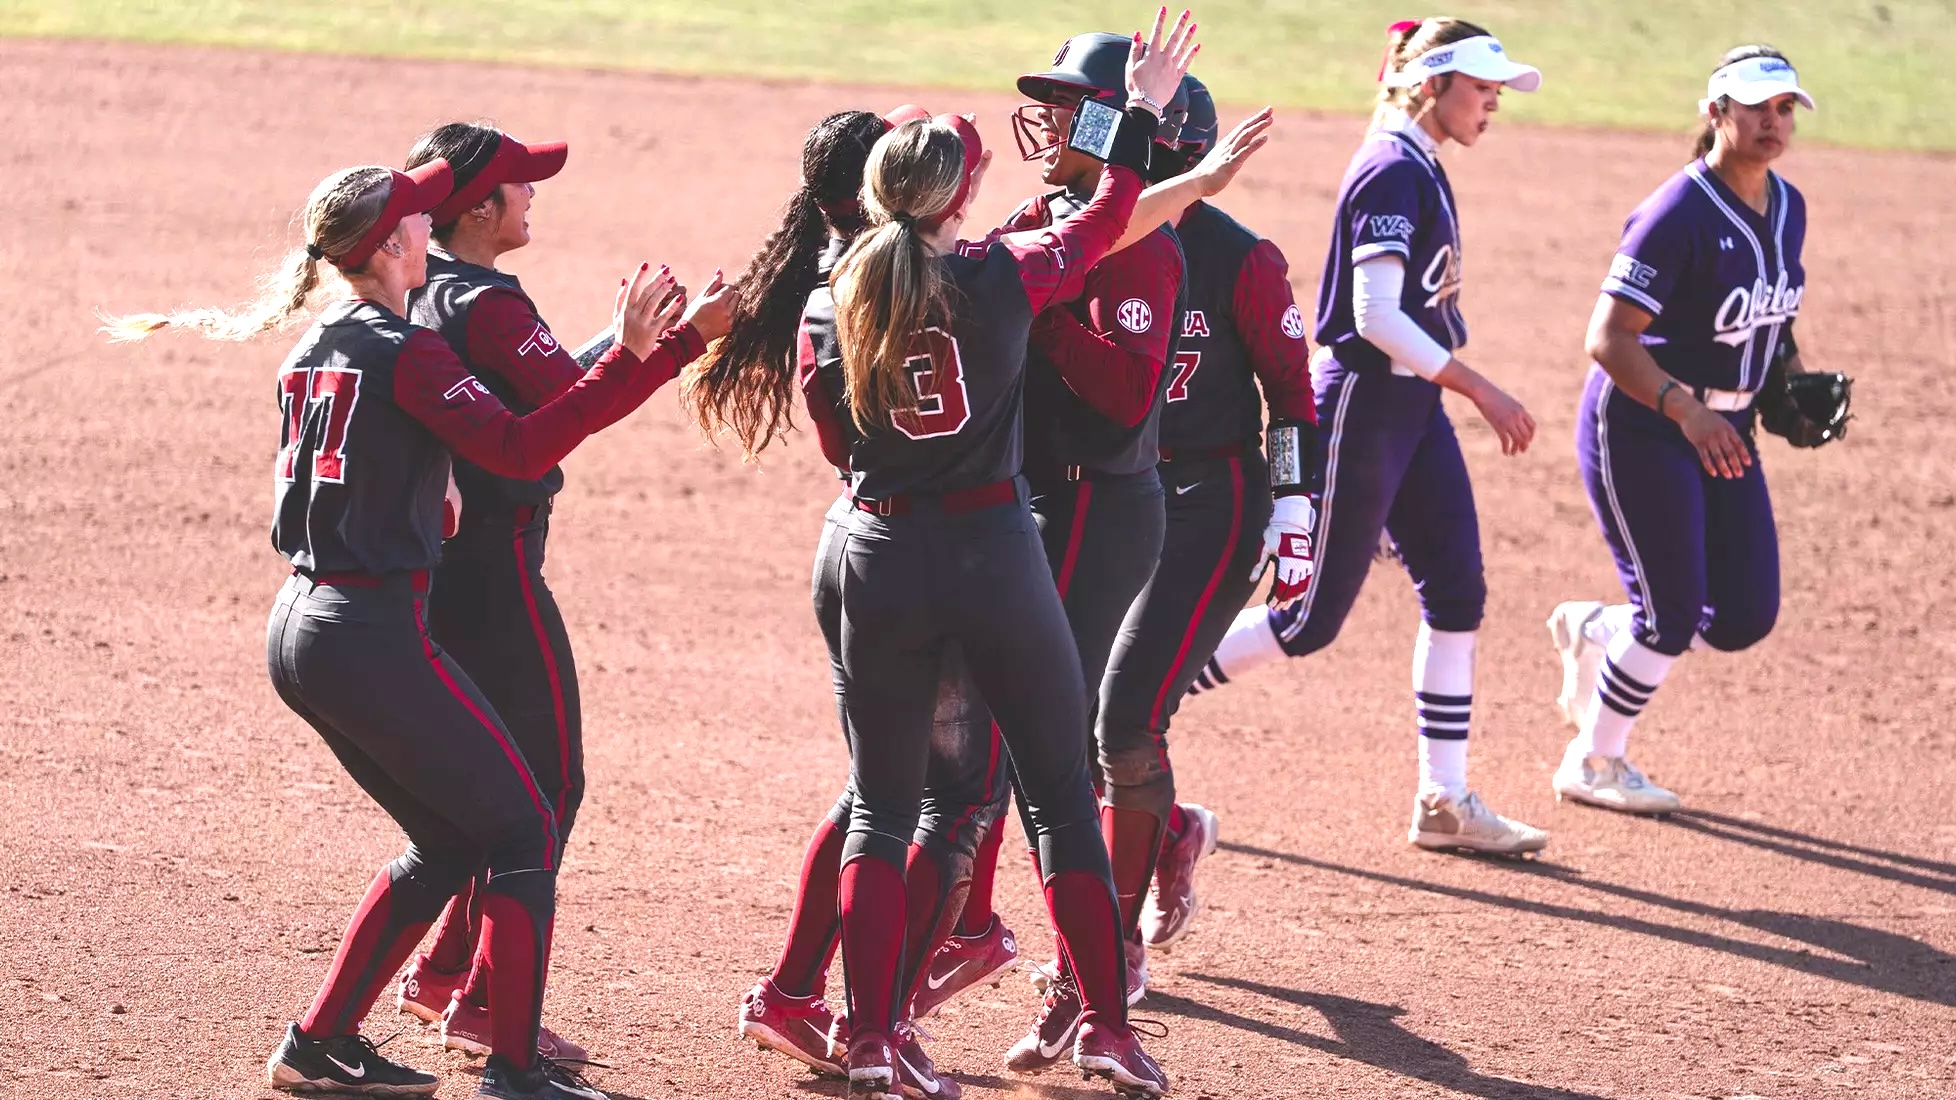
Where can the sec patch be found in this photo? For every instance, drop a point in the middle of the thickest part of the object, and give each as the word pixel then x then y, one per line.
pixel 1135 316
pixel 1293 322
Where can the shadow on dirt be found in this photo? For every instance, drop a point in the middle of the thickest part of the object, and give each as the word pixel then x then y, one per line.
pixel 1019 1086
pixel 1929 874
pixel 1366 1032
pixel 1887 962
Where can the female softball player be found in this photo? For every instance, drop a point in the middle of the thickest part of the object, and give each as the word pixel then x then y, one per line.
pixel 1388 325
pixel 1094 378
pixel 371 408
pixel 489 605
pixel 941 549
pixel 742 387
pixel 1698 305
pixel 1240 325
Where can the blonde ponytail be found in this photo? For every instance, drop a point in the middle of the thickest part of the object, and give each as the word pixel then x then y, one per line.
pixel 337 215
pixel 889 286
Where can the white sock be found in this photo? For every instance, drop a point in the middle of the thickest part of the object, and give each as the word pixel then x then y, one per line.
pixel 1443 706
pixel 1631 674
pixel 1251 643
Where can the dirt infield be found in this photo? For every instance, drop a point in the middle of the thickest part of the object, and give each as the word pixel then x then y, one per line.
pixel 181 853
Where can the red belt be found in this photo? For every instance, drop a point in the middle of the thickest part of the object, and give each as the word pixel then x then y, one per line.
pixel 417 579
pixel 1227 450
pixel 954 503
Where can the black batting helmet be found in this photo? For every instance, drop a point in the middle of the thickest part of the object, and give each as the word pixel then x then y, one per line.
pixel 1087 66
pixel 1198 134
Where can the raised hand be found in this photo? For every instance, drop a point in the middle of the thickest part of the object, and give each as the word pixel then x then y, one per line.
pixel 1218 169
pixel 1155 68
pixel 712 312
pixel 645 308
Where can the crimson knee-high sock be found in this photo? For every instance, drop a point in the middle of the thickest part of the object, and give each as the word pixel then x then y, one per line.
pixel 518 921
pixel 977 916
pixel 931 914
pixel 1133 840
pixel 873 905
pixel 455 936
pixel 390 921
pixel 812 930
pixel 1084 912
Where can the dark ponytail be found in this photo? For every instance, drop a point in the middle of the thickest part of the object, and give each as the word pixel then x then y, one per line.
pixel 1708 132
pixel 745 384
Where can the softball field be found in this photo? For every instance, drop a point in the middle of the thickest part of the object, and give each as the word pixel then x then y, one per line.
pixel 181 853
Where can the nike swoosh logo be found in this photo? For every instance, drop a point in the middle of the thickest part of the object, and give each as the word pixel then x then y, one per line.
pixel 1179 490
pixel 1054 1051
pixel 357 1069
pixel 926 1081
pixel 938 983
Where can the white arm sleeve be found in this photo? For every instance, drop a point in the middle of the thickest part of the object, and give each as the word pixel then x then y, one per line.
pixel 1376 286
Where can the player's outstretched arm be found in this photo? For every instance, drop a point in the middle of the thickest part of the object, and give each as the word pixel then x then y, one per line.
pixel 1165 201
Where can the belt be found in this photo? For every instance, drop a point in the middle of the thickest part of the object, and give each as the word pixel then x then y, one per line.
pixel 416 579
pixel 1725 400
pixel 1226 450
pixel 951 504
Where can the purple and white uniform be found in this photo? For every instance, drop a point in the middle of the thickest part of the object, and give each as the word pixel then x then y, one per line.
pixel 1699 555
pixel 1391 460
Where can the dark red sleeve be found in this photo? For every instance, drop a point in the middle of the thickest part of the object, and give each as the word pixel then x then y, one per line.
pixel 821 405
pixel 1114 359
pixel 1273 330
pixel 432 386
pixel 1054 261
pixel 507 339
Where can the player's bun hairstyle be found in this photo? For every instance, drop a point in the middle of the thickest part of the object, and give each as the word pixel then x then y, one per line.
pixel 1708 133
pixel 1407 40
pixel 337 217
pixel 890 287
pixel 467 147
pixel 745 384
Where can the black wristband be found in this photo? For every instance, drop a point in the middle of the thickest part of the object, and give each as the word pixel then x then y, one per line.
pixel 1293 454
pixel 1133 139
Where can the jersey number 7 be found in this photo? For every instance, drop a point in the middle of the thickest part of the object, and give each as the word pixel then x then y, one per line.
pixel 943 405
pixel 318 407
pixel 1186 363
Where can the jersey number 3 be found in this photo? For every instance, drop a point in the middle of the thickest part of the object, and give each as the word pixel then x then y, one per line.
pixel 334 393
pixel 1186 363
pixel 943 405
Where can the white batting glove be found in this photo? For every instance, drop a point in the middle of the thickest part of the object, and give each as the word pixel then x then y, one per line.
pixel 1287 541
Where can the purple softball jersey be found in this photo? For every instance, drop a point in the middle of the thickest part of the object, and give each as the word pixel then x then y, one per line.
pixel 1395 200
pixel 1721 280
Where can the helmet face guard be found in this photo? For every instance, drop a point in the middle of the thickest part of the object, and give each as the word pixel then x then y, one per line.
pixel 1031 120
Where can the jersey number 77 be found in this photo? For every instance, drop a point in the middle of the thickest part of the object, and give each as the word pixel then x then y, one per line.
pixel 318 407
pixel 937 374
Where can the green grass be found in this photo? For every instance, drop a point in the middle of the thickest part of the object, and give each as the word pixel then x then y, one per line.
pixel 1881 70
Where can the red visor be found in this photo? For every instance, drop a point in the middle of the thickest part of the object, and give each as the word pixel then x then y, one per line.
pixel 512 162
pixel 974 151
pixel 412 192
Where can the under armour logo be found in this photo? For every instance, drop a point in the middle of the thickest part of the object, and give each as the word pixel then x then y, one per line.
pixel 1725 244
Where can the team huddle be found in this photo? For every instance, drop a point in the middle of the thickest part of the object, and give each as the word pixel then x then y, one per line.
pixel 1070 448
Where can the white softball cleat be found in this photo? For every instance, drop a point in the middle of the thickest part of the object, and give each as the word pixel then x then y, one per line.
pixel 1443 823
pixel 1582 659
pixel 1612 783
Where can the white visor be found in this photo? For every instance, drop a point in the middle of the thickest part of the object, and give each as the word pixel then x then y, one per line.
pixel 1480 57
pixel 1756 80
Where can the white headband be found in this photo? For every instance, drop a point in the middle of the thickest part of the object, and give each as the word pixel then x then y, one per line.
pixel 1480 57
pixel 1754 81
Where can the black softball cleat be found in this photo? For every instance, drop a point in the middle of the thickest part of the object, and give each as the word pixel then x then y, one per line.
pixel 344 1063
pixel 549 1079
